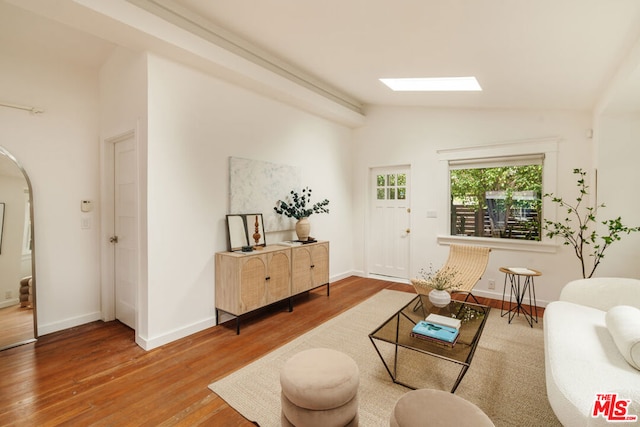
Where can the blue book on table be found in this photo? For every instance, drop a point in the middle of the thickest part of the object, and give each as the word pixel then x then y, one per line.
pixel 438 332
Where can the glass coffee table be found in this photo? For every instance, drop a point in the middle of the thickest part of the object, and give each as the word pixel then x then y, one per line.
pixel 414 360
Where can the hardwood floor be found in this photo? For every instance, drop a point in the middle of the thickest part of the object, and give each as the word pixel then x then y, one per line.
pixel 95 374
pixel 16 324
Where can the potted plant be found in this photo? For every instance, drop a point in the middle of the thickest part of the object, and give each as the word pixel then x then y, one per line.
pixel 438 284
pixel 585 238
pixel 296 207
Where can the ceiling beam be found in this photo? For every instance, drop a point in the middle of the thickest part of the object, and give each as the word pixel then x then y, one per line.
pixel 196 24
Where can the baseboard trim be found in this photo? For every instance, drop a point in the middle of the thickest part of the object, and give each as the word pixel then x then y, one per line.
pixel 389 278
pixel 176 334
pixel 9 302
pixel 48 328
pixel 341 276
pixel 498 296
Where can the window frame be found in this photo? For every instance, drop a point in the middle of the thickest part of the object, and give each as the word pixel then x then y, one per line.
pixel 548 147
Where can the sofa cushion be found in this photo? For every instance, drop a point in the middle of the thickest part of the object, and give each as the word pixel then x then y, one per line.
pixel 623 323
pixel 602 293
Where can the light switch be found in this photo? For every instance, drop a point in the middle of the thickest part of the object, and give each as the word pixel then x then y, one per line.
pixel 85 223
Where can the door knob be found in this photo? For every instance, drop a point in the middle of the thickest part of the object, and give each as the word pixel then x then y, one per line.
pixel 113 239
pixel 408 230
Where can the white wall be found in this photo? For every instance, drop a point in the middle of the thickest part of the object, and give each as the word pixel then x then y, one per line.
pixel 618 174
pixel 400 136
pixel 196 122
pixel 13 197
pixel 59 151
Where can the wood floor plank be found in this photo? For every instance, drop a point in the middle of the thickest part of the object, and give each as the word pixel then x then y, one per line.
pixel 16 324
pixel 95 374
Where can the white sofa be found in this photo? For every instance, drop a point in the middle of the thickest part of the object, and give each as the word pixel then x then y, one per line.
pixel 582 358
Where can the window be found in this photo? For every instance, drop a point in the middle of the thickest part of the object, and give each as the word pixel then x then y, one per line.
pixel 391 186
pixel 497 197
pixel 541 151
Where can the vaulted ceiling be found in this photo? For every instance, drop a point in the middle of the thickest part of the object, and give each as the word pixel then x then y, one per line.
pixel 542 54
pixel 526 54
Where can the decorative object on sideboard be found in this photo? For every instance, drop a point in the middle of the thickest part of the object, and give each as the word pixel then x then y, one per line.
pixel 240 227
pixel 584 237
pixel 256 232
pixel 296 207
pixel 439 282
pixel 303 228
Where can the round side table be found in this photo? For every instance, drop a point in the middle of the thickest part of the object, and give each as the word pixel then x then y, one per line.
pixel 519 289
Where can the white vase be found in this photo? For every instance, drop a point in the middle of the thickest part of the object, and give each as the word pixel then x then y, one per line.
pixel 439 298
pixel 303 227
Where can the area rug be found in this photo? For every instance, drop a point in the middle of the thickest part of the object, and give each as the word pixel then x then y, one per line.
pixel 506 378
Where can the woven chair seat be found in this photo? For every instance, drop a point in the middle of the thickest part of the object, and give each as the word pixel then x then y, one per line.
pixel 469 263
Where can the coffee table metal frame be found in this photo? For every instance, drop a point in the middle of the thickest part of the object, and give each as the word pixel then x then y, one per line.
pixel 397 328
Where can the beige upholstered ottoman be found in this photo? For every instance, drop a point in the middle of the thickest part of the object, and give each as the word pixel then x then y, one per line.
pixel 320 389
pixel 426 407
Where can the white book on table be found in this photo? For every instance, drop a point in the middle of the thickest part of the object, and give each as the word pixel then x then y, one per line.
pixel 443 320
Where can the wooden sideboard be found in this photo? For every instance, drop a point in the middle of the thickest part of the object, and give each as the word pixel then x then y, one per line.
pixel 247 281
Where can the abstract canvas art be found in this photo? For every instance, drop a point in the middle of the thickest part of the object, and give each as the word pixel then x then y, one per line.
pixel 256 186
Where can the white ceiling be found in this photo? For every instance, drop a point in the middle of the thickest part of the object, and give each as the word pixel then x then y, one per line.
pixel 526 54
pixel 24 33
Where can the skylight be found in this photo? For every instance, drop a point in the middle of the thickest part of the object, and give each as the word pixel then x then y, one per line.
pixel 433 84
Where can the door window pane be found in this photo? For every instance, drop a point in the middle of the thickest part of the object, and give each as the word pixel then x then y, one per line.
pixel 391 186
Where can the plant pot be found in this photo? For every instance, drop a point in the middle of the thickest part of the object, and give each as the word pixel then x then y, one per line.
pixel 303 227
pixel 439 298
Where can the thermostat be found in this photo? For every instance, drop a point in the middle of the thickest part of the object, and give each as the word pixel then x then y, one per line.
pixel 86 205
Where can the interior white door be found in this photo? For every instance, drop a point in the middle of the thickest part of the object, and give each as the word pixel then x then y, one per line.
pixel 390 231
pixel 125 238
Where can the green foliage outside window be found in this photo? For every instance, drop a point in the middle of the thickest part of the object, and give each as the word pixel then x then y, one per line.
pixel 497 202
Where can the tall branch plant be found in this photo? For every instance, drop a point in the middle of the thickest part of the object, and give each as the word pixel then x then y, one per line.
pixel 579 228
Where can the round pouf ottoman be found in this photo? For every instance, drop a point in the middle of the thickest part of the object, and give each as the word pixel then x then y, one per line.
pixel 320 389
pixel 426 407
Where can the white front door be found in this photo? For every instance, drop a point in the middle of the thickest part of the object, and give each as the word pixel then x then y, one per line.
pixel 125 239
pixel 390 222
